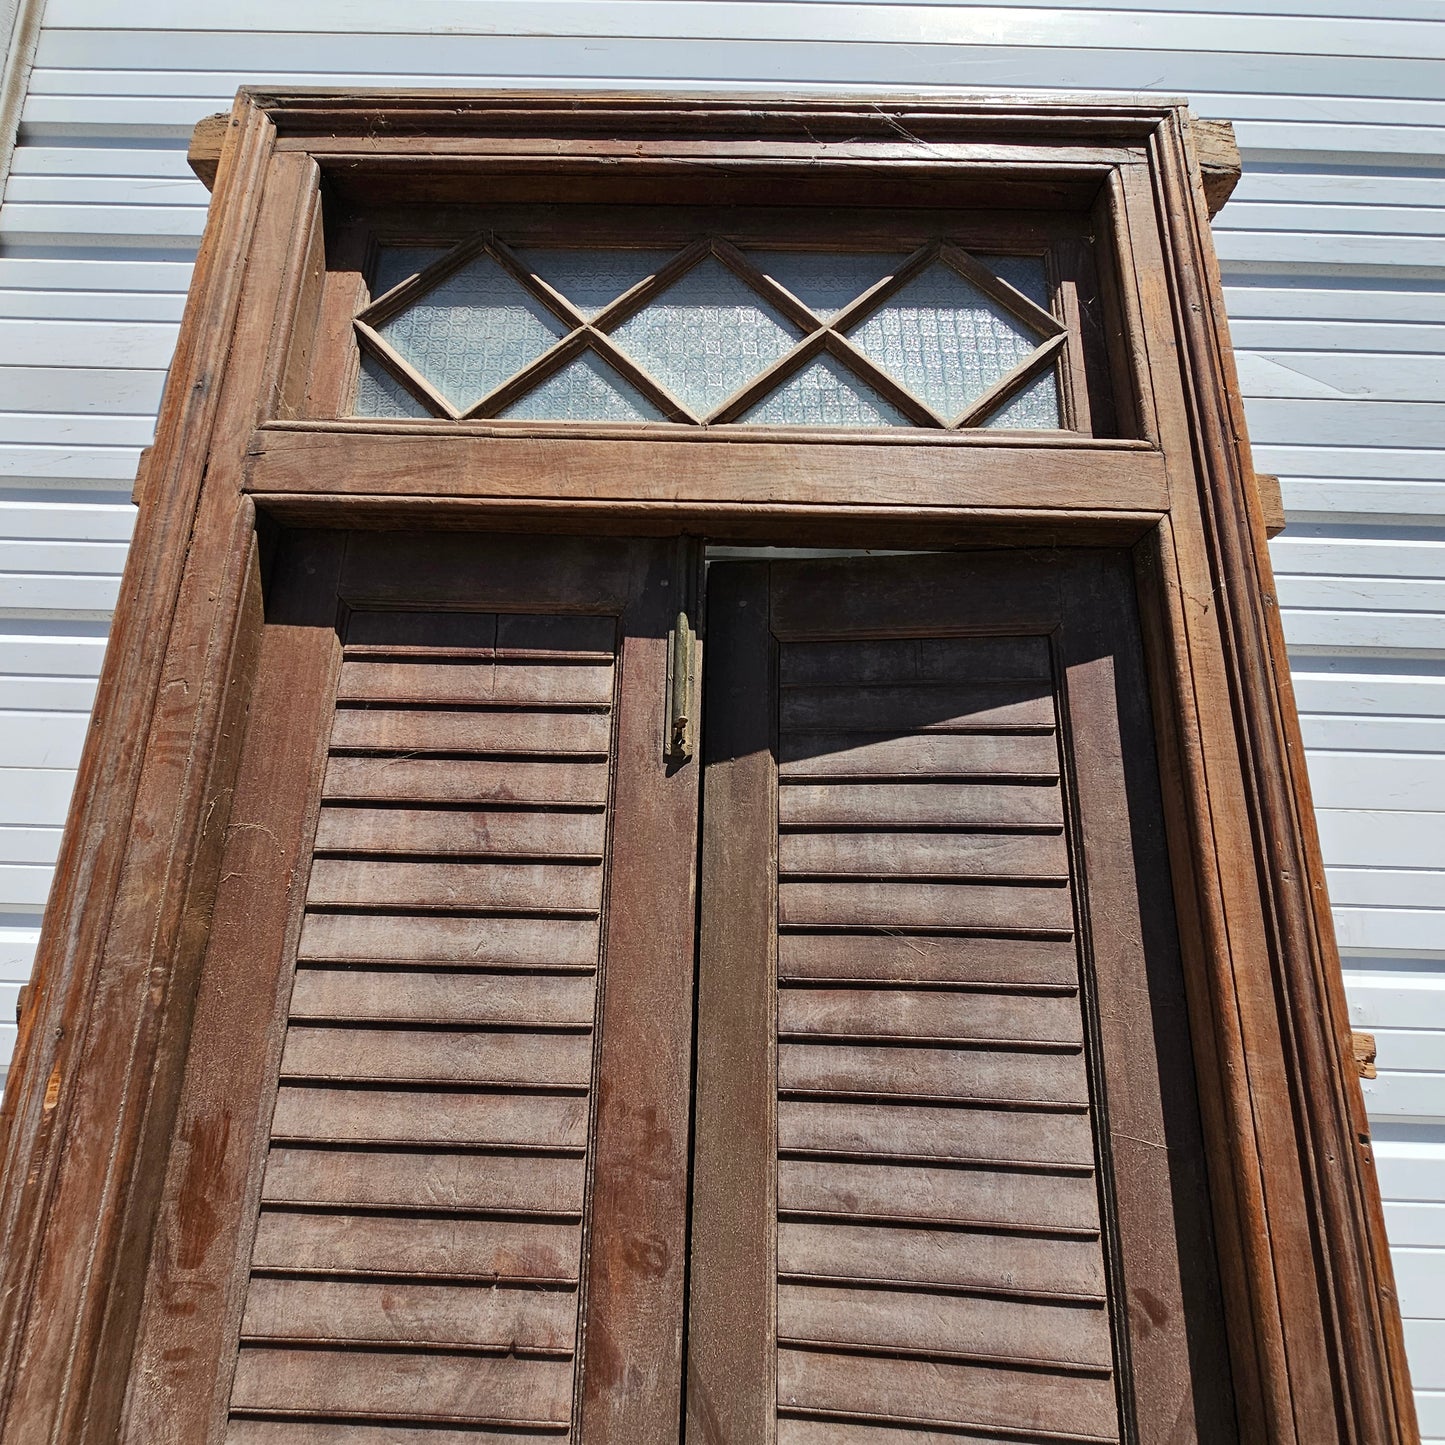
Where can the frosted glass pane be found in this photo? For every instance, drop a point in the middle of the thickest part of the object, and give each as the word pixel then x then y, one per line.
pixel 1035 408
pixel 471 332
pixel 379 393
pixel 706 335
pixel 1024 273
pixel 593 279
pixel 824 393
pixel 944 339
pixel 394 264
pixel 586 389
pixel 826 282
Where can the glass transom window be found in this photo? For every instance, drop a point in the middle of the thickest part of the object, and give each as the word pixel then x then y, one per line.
pixel 711 334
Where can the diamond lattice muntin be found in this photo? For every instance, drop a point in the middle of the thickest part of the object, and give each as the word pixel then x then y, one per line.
pixel 710 334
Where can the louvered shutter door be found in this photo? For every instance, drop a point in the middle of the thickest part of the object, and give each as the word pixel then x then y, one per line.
pixel 447 1083
pixel 431 1128
pixel 947 1173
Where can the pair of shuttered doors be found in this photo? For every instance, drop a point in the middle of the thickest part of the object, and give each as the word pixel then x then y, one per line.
pixel 513 1115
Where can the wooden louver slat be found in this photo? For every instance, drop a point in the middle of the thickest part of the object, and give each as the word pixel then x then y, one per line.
pixel 419 1247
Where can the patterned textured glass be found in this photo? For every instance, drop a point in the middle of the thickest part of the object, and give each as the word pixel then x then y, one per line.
pixel 824 282
pixel 824 393
pixel 586 389
pixel 379 393
pixel 1035 408
pixel 944 339
pixel 594 278
pixel 395 264
pixel 706 335
pixel 472 331
pixel 1027 274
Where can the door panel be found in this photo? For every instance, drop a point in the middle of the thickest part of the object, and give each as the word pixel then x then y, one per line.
pixel 947 1172
pixel 434 1114
pixel 409 1203
pixel 431 1172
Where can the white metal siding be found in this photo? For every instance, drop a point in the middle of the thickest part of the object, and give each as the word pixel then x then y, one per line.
pixel 1335 273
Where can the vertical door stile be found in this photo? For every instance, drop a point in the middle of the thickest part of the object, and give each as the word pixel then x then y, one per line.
pixel 185 1348
pixel 731 1372
pixel 1146 1102
pixel 632 1368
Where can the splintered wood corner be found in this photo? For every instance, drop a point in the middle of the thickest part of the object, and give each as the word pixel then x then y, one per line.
pixel 1363 1048
pixel 1219 161
pixel 204 152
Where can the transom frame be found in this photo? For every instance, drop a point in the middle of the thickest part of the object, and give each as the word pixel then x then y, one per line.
pixel 819 334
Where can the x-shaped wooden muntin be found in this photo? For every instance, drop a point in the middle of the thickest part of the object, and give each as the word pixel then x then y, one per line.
pixel 819 335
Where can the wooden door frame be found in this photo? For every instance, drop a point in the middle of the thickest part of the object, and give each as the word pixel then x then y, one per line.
pixel 1317 1348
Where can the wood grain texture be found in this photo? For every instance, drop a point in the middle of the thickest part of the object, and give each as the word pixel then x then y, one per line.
pixel 443 1386
pixel 382 1246
pixel 380 462
pixel 918 1394
pixel 732 1318
pixel 632 1366
pixel 1027 1265
pixel 462 832
pixel 398 996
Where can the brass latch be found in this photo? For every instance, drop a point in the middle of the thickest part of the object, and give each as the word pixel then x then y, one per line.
pixel 682 690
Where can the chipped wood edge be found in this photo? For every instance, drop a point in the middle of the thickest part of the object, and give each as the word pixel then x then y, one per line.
pixel 1220 165
pixel 1362 1046
pixel 203 155
pixel 1271 503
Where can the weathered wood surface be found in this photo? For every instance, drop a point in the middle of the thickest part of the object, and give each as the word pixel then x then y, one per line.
pixel 1242 753
pixel 378 460
pixel 421 1182
pixel 1219 164
pixel 203 155
pixel 935 1132
pixel 732 1324
pixel 483 1112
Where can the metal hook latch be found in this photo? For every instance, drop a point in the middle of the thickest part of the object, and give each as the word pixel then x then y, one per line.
pixel 682 690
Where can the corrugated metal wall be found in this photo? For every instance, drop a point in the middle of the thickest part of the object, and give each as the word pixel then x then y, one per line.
pixel 1335 269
